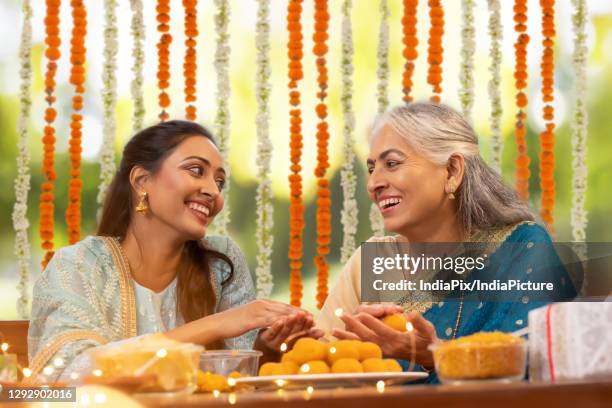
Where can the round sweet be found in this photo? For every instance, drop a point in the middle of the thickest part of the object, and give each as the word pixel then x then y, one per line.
pixel 307 349
pixel 347 365
pixel 392 365
pixel 314 367
pixel 342 349
pixel 396 321
pixel 367 350
pixel 374 365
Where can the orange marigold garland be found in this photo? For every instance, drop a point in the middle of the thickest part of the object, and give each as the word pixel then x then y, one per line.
pixel 320 48
pixel 520 76
pixel 547 137
pixel 190 66
pixel 163 53
pixel 296 206
pixel 77 78
pixel 52 52
pixel 435 50
pixel 411 41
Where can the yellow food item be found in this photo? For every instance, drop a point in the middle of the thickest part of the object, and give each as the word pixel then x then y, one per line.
pixel 367 350
pixel 210 382
pixel 172 364
pixel 290 367
pixel 481 355
pixel 314 367
pixel 392 365
pixel 307 349
pixel 374 365
pixel 269 369
pixel 342 349
pixel 288 356
pixel 396 321
pixel 285 368
pixel 347 365
pixel 234 374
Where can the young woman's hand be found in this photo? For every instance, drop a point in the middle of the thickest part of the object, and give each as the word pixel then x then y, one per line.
pixel 286 330
pixel 232 322
pixel 257 314
pixel 410 345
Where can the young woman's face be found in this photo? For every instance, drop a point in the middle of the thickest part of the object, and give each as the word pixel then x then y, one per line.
pixel 407 187
pixel 186 192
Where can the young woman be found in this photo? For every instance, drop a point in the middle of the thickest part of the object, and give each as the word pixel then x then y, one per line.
pixel 151 267
pixel 431 185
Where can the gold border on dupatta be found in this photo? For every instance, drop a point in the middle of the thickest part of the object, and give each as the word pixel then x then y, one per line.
pixel 58 342
pixel 495 238
pixel 128 299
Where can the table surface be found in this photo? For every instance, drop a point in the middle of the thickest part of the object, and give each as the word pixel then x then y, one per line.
pixel 523 395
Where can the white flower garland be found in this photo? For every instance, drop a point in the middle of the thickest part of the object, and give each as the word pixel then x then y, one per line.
pixel 495 53
pixel 265 209
pixel 466 70
pixel 109 99
pixel 383 58
pixel 350 212
pixel 138 35
pixel 579 123
pixel 376 220
pixel 22 181
pixel 222 117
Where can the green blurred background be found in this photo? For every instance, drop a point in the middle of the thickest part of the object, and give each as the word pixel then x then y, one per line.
pixel 243 108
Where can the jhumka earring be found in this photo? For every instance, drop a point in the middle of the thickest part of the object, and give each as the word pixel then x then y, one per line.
pixel 142 206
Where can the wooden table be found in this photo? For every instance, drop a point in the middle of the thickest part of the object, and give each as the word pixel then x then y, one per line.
pixel 523 395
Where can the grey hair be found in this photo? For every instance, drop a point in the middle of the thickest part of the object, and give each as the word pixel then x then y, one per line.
pixel 437 131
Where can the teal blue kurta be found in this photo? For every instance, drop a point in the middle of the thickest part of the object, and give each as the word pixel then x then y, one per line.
pixel 526 254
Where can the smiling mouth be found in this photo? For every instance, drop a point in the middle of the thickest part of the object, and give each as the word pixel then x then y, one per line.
pixel 388 204
pixel 199 210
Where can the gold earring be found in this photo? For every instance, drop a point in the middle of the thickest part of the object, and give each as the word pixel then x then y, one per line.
pixel 142 206
pixel 451 193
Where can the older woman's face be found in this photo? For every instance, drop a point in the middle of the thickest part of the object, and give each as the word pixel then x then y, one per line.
pixel 407 187
pixel 186 192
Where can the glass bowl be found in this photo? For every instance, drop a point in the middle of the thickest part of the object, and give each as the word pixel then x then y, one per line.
pixel 481 357
pixel 151 363
pixel 224 362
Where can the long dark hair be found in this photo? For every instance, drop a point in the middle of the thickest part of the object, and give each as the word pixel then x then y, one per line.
pixel 148 149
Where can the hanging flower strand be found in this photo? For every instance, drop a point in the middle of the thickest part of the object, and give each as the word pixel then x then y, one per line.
pixel 138 34
pixel 22 182
pixel 320 48
pixel 520 76
pixel 376 219
pixel 411 41
pixel 109 100
pixel 496 35
pixel 222 116
pixel 296 206
pixel 163 53
pixel 547 137
pixel 77 78
pixel 52 52
pixel 468 48
pixel 265 209
pixel 580 118
pixel 435 50
pixel 190 65
pixel 350 211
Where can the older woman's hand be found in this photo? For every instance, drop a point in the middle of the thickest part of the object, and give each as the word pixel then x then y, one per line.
pixel 409 345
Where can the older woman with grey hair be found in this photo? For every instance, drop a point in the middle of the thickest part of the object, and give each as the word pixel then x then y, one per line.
pixel 431 185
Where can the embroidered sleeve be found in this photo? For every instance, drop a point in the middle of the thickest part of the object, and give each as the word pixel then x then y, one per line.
pixel 67 311
pixel 239 290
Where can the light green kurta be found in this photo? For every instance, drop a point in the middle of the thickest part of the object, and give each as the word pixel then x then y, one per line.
pixel 86 298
